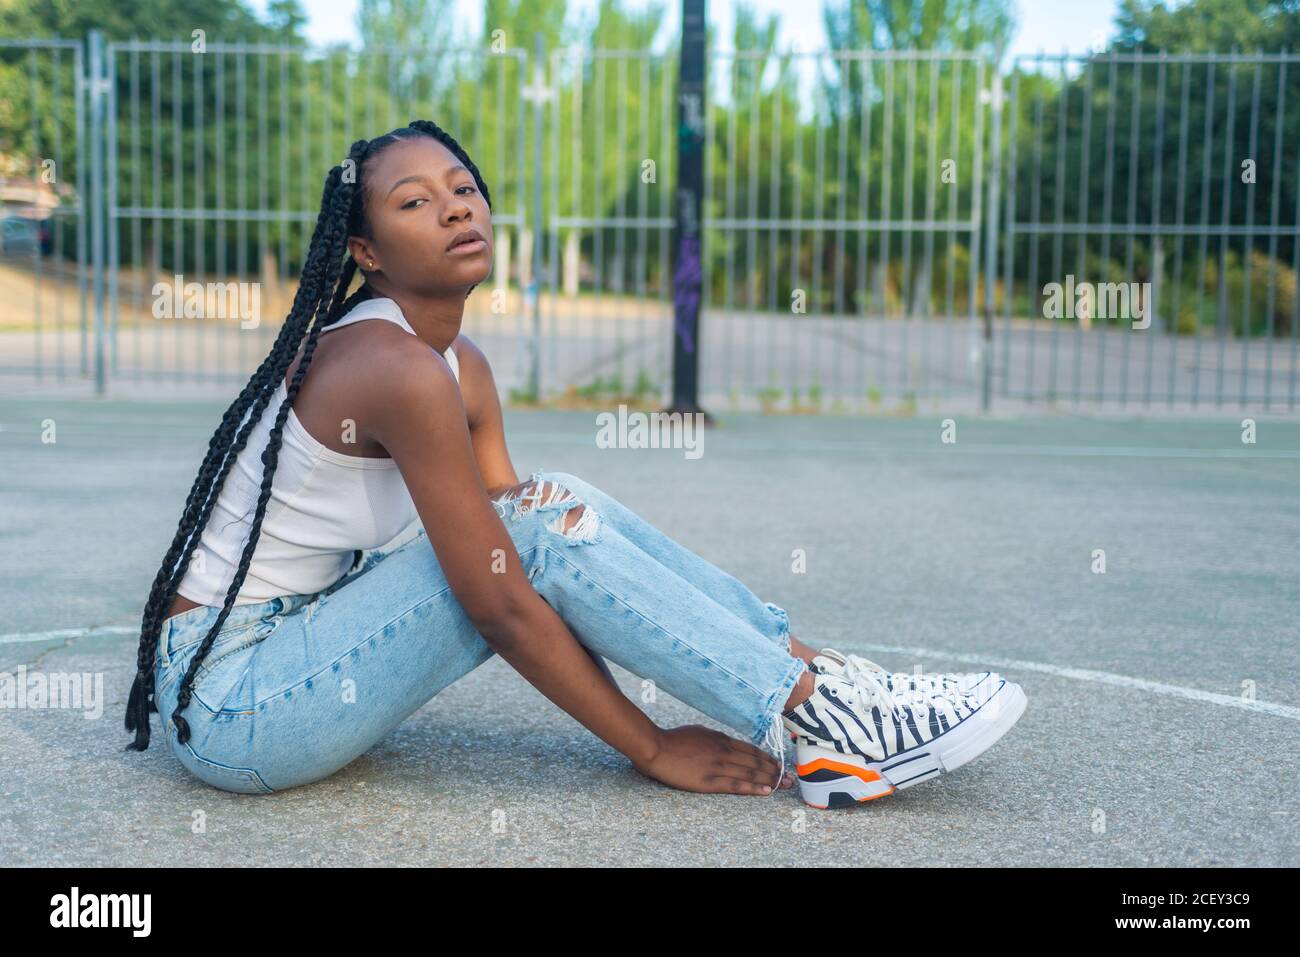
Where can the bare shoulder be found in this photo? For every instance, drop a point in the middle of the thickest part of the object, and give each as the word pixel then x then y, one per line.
pixel 374 375
pixel 477 386
pixel 398 363
pixel 471 357
pixel 397 381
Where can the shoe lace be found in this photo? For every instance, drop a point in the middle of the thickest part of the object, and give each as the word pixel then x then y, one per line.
pixel 902 700
pixel 774 740
pixel 856 665
pixel 868 683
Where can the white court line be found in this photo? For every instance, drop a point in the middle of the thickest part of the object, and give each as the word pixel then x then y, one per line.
pixel 1010 664
pixel 1096 451
pixel 66 633
pixel 1101 677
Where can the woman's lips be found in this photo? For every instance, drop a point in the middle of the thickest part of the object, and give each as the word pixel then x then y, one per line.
pixel 468 249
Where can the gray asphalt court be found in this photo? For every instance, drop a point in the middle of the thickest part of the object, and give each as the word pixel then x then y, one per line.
pixel 1163 725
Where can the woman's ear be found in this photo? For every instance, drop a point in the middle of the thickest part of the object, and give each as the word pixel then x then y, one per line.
pixel 362 254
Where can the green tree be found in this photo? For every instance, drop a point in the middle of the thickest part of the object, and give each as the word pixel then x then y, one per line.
pixel 974 26
pixel 1136 140
pixel 1208 26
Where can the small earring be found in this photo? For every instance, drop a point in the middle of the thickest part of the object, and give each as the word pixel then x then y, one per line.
pixel 370 264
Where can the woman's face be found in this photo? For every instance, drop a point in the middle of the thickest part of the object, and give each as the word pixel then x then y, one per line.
pixel 421 203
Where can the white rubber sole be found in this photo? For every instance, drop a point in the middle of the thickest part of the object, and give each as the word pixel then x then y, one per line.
pixel 828 779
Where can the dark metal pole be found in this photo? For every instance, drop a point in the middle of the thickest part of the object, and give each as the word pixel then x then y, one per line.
pixel 97 86
pixel 687 236
pixel 532 296
pixel 991 237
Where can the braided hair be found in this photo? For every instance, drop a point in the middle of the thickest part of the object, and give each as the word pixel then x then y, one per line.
pixel 321 300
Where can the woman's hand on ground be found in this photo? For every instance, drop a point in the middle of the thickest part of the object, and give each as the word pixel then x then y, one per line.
pixel 696 758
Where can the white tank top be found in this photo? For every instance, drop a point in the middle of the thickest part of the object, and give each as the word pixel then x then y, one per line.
pixel 323 505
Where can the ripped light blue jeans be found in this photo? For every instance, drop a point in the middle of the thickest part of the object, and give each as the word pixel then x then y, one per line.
pixel 297 687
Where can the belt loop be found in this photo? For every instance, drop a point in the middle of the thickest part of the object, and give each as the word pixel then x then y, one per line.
pixel 164 642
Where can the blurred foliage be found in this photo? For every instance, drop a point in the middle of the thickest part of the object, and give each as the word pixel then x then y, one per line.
pixel 794 139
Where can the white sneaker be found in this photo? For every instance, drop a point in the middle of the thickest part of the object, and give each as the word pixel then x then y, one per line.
pixel 859 740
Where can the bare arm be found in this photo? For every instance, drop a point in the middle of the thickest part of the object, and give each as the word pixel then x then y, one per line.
pixel 487 433
pixel 436 456
pixel 434 452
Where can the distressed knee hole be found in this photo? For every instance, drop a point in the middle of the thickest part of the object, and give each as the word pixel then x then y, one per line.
pixel 575 522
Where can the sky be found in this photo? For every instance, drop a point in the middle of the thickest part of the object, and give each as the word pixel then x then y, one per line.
pixel 1052 26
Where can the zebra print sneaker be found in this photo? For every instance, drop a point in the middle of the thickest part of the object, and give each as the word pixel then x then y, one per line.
pixel 832 662
pixel 860 740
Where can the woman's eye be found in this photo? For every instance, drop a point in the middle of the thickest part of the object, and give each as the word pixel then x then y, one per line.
pixel 410 203
pixel 470 188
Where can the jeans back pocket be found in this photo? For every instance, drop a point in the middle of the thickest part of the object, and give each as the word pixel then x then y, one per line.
pixel 238 780
pixel 218 678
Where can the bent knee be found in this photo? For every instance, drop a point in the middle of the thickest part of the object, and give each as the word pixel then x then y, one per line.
pixel 567 479
pixel 574 520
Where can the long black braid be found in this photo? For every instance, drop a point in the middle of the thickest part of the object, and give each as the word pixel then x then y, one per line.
pixel 322 299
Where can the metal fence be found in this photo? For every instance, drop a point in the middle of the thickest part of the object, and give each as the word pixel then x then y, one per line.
pixel 839 301
pixel 610 141
pixel 1164 176
pixel 198 186
pixel 882 229
pixel 44 222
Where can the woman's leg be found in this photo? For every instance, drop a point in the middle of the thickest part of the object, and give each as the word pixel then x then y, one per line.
pixel 317 681
pixel 623 604
pixel 766 618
